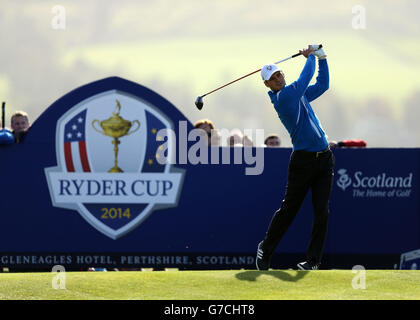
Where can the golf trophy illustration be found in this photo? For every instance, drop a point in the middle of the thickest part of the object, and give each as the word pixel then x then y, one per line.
pixel 116 127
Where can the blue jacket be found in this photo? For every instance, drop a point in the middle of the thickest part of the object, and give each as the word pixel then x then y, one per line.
pixel 295 112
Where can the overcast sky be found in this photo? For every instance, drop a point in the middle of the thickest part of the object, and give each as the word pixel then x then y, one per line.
pixel 182 49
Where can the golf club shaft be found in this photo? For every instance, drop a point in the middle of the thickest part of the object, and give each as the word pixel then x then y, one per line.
pixel 3 114
pixel 225 85
pixel 231 82
pixel 297 54
pixel 294 56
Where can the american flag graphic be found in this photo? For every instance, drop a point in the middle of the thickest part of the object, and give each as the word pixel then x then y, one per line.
pixel 75 144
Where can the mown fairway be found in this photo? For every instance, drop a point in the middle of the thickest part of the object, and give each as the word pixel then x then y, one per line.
pixel 208 285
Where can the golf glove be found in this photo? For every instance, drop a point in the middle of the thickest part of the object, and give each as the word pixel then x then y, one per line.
pixel 314 47
pixel 318 52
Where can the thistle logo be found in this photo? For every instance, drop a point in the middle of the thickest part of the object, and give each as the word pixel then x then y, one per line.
pixel 107 168
pixel 344 180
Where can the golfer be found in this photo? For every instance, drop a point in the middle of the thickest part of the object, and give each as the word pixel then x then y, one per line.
pixel 311 162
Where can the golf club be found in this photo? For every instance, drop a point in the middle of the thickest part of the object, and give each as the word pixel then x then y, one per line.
pixel 3 114
pixel 199 101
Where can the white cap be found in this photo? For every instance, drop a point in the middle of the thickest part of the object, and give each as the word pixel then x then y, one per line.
pixel 268 70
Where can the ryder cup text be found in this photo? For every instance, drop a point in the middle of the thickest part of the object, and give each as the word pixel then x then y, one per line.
pixel 115 187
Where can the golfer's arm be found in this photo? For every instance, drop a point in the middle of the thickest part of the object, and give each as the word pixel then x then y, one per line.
pixel 305 76
pixel 322 81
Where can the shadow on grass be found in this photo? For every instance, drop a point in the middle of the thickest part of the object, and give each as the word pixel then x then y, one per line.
pixel 252 275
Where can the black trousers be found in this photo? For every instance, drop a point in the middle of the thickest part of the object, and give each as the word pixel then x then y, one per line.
pixel 307 170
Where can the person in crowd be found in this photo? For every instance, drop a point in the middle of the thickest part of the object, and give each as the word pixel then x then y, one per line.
pixel 355 143
pixel 272 141
pixel 352 143
pixel 246 141
pixel 332 144
pixel 20 125
pixel 235 139
pixel 213 137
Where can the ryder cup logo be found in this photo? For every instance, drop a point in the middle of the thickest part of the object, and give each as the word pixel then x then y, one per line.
pixel 107 168
pixel 344 180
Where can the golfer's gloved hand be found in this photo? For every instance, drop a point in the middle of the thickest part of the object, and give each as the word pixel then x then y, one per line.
pixel 318 52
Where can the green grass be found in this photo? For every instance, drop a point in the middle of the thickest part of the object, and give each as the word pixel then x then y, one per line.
pixel 207 285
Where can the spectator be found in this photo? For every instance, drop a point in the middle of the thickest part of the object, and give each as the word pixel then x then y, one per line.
pixel 272 141
pixel 213 137
pixel 20 125
pixel 348 143
pixel 235 139
pixel 246 141
pixel 332 144
pixel 352 143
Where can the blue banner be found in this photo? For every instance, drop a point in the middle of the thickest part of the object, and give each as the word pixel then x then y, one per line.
pixel 86 187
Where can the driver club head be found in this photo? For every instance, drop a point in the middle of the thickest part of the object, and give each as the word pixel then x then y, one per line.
pixel 199 103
